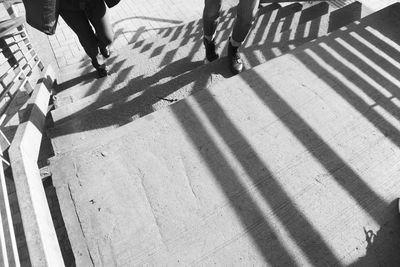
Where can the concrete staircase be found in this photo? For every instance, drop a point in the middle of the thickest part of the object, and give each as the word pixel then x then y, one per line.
pixel 277 165
pixel 157 72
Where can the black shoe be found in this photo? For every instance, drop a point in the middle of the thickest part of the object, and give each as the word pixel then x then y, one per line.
pixel 105 51
pixel 100 68
pixel 211 55
pixel 235 62
pixel 102 71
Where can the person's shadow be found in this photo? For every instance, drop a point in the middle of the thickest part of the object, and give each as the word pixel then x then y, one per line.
pixel 383 247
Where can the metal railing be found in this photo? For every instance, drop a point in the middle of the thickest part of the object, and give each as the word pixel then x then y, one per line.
pixel 20 68
pixel 18 61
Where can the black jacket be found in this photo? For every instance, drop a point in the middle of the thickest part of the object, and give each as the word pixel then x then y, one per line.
pixel 111 3
pixel 78 4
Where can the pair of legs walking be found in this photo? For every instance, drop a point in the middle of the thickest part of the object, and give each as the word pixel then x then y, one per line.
pixel 80 21
pixel 246 11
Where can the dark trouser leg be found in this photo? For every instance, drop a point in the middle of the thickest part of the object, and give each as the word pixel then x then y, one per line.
pixel 210 16
pixel 79 23
pixel 246 11
pixel 98 16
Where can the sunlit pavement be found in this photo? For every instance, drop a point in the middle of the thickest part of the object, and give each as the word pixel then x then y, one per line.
pixel 292 163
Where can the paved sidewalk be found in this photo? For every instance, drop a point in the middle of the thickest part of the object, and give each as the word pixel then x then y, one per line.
pixel 132 21
pixel 139 19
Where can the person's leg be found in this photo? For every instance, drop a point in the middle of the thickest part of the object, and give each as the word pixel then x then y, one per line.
pixel 98 16
pixel 79 23
pixel 211 14
pixel 246 11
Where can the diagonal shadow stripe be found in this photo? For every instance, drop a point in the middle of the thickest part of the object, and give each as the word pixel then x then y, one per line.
pixel 297 125
pixel 222 170
pixel 352 98
pixel 302 231
pixel 371 77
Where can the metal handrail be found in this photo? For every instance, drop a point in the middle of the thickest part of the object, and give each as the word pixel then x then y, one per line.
pixel 16 42
pixel 13 54
pixel 15 78
pixel 8 26
pixel 9 255
pixel 22 33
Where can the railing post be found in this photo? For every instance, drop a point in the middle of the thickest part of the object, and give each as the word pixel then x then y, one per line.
pixel 13 13
pixel 9 248
pixel 11 10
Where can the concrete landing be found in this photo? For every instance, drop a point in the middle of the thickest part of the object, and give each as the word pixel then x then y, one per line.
pixel 293 163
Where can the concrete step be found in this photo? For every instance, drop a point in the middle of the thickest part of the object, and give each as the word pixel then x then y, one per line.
pixel 264 28
pixel 275 166
pixel 131 62
pixel 95 118
pixel 166 52
pixel 129 66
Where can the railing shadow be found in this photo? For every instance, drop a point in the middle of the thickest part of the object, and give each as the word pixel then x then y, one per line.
pixel 254 222
pixel 141 102
pixel 154 47
pixel 124 100
pixel 363 73
pixel 322 152
pixel 154 88
pixel 361 67
pixel 338 168
pixel 191 32
pixel 343 174
pixel 17 220
pixel 261 178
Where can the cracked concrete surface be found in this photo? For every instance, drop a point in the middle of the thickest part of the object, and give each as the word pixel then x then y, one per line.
pixel 284 165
